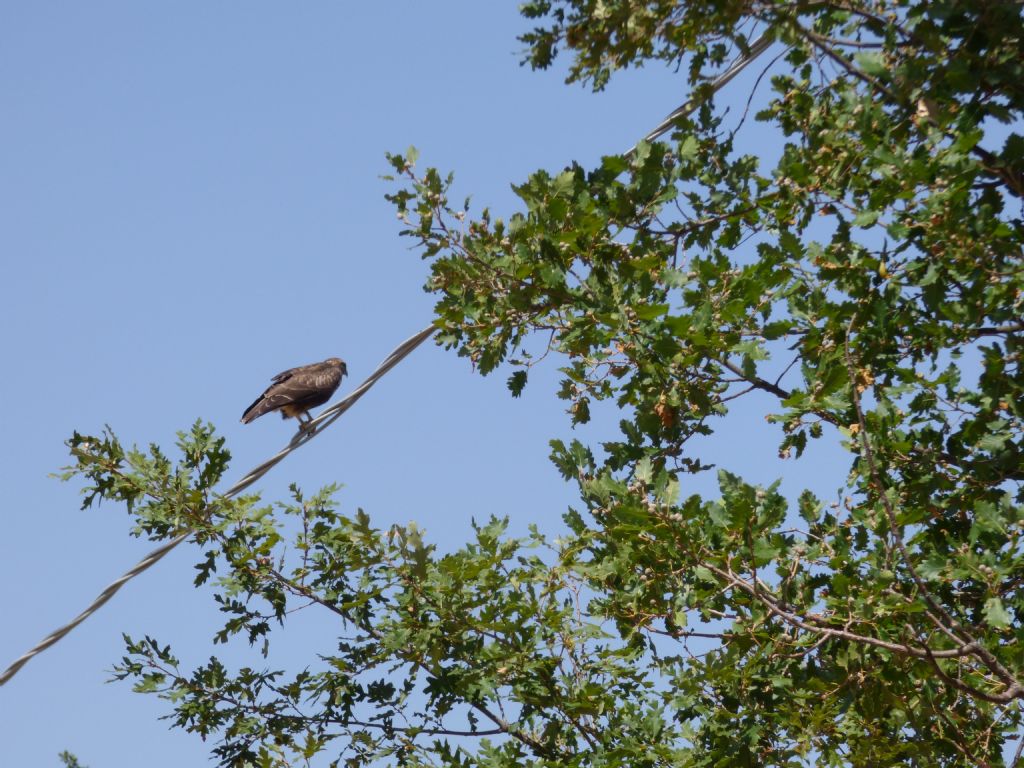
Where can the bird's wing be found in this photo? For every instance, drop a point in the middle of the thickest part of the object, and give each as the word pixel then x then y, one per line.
pixel 290 372
pixel 309 385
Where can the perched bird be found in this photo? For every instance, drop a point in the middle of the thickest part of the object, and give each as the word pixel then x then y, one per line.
pixel 297 390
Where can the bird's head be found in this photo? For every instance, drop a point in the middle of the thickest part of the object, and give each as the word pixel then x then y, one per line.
pixel 337 361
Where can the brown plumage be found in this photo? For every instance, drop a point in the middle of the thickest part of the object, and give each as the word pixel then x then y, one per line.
pixel 297 390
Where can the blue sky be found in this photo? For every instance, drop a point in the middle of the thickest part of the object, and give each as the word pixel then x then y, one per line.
pixel 190 202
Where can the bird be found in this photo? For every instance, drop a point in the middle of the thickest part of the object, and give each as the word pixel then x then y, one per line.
pixel 297 390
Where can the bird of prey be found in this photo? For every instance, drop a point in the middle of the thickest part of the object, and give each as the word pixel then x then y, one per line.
pixel 297 390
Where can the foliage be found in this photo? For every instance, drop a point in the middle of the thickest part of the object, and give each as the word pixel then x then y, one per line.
pixel 69 760
pixel 865 285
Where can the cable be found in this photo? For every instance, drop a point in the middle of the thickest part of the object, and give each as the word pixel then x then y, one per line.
pixel 315 427
pixel 759 46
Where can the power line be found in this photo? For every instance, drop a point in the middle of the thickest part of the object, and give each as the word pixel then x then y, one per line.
pixel 315 427
pixel 758 47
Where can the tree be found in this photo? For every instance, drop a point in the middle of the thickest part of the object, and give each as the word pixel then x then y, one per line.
pixel 866 287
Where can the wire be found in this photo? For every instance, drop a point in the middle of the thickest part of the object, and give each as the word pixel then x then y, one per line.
pixel 756 49
pixel 333 413
pixel 305 434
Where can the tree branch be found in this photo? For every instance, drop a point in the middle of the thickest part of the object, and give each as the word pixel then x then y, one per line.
pixel 821 627
pixel 756 381
pixel 1014 182
pixel 413 730
pixel 503 726
pixel 964 637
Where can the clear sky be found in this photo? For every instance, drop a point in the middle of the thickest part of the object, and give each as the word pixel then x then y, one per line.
pixel 190 202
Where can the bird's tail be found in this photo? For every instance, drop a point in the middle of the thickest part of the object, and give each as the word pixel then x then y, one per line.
pixel 254 411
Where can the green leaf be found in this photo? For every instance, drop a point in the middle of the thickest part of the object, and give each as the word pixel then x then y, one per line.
pixel 995 613
pixel 650 311
pixel 871 63
pixel 516 382
pixel 865 219
pixel 644 470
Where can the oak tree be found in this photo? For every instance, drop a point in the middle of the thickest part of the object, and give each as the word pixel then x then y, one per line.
pixel 863 287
